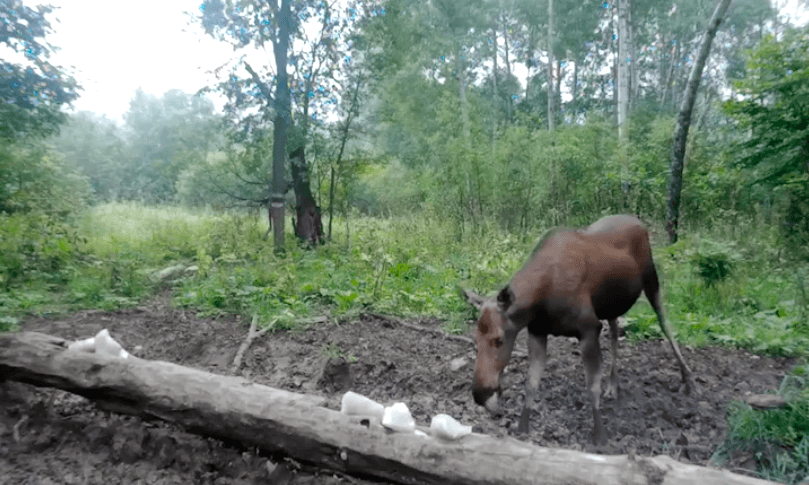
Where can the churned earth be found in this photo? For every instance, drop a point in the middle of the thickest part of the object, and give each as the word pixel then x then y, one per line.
pixel 52 437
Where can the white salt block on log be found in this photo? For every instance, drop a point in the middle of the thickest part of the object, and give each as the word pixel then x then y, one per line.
pixel 86 345
pixel 106 345
pixel 445 426
pixel 354 404
pixel 398 418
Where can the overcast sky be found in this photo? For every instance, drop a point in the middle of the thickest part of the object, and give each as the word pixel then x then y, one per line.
pixel 115 47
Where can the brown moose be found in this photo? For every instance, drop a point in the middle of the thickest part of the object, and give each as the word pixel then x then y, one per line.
pixel 573 280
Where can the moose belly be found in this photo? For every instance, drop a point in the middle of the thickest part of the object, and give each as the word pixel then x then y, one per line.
pixel 614 297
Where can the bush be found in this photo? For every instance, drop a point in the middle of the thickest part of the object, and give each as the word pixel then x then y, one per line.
pixel 37 248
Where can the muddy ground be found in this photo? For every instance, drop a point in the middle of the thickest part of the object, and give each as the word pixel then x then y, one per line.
pixel 52 437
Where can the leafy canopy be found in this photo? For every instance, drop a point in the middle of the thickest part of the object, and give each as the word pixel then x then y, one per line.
pixel 775 108
pixel 32 90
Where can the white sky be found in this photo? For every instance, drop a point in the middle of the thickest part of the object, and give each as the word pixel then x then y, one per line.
pixel 115 47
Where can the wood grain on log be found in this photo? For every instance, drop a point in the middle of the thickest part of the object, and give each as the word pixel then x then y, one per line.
pixel 296 425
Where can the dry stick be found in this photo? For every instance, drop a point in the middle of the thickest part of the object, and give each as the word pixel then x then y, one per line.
pixel 16 430
pixel 251 335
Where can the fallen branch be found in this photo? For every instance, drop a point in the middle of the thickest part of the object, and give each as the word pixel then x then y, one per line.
pixel 15 431
pixel 297 426
pixel 252 334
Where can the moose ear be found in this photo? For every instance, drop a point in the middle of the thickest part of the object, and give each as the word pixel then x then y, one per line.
pixel 473 298
pixel 505 298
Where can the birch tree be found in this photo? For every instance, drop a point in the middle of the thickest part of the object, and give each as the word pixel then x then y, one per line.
pixel 684 121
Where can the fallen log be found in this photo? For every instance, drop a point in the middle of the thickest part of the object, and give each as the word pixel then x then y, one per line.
pixel 296 425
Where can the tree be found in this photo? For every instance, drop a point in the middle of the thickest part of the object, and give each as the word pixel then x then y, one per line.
pixel 773 109
pixel 32 91
pixel 95 147
pixel 289 92
pixel 260 23
pixel 164 136
pixel 684 121
pixel 551 91
pixel 32 94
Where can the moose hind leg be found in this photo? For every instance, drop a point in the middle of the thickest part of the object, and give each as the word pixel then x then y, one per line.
pixel 591 356
pixel 652 290
pixel 537 358
pixel 612 386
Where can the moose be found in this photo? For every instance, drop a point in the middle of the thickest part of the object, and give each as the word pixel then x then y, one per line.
pixel 573 280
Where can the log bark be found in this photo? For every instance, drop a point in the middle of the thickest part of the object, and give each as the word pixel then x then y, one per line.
pixel 296 425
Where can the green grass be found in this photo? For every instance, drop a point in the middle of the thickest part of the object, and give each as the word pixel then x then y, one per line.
pixel 742 294
pixel 777 439
pixel 758 304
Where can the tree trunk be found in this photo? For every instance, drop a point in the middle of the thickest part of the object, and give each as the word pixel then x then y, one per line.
pixel 669 75
pixel 509 101
pixel 557 91
pixel 574 107
pixel 634 85
pixel 308 227
pixel 623 75
pixel 282 116
pixel 551 107
pixel 495 94
pixel 529 61
pixel 345 130
pixel 294 425
pixel 684 122
pixel 459 68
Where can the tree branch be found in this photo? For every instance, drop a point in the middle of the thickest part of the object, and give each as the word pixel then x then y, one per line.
pixel 262 86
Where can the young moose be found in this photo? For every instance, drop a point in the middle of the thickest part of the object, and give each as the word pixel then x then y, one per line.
pixel 573 280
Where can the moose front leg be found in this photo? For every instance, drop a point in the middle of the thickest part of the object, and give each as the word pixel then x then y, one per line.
pixel 591 355
pixel 537 358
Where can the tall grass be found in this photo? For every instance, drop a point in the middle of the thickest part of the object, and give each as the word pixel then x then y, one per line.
pixel 735 292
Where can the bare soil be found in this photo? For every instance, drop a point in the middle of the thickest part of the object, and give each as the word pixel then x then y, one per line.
pixel 50 437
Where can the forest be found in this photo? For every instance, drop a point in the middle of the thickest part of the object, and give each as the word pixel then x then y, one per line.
pixel 365 159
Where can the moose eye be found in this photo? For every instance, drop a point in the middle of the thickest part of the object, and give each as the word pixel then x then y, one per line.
pixel 498 342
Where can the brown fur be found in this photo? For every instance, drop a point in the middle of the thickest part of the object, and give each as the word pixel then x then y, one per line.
pixel 573 280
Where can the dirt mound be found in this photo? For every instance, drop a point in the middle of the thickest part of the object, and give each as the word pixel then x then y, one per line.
pixel 54 437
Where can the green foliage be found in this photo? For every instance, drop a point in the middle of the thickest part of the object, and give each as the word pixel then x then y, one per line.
pixel 166 136
pixel 331 350
pixel 777 439
pixel 409 265
pixel 32 90
pixel 714 261
pixel 34 180
pixel 94 146
pixel 758 305
pixel 36 248
pixel 774 109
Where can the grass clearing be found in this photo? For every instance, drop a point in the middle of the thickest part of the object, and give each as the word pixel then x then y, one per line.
pixel 741 294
